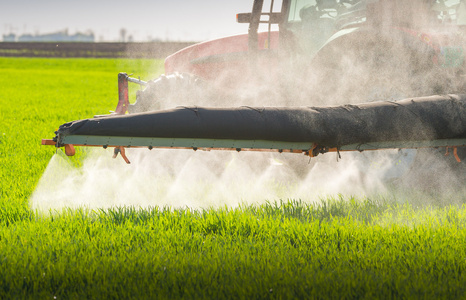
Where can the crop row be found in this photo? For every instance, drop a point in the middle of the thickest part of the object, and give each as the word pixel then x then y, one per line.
pixel 407 246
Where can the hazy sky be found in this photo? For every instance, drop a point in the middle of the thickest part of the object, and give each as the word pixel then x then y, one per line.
pixel 177 20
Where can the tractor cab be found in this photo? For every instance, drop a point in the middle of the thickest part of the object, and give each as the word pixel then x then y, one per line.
pixel 310 24
pixel 293 36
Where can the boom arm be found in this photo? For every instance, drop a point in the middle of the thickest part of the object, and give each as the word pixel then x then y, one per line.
pixel 437 121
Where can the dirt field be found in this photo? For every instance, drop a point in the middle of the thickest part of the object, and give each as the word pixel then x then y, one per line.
pixel 156 50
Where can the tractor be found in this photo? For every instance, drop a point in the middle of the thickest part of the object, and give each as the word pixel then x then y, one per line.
pixel 306 53
pixel 321 52
pixel 336 52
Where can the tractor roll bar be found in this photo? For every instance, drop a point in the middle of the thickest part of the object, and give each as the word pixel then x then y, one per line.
pixel 254 25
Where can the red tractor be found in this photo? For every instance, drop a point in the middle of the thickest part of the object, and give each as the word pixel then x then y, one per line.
pixel 323 52
pixel 309 53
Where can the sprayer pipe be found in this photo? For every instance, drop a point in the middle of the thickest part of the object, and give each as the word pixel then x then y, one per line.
pixel 138 81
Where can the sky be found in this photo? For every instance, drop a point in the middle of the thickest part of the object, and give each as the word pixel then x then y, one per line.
pixel 174 20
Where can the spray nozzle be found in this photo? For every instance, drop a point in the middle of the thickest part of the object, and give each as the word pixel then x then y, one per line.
pixel 121 151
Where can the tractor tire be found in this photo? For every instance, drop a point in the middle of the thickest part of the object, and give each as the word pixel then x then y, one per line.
pixel 172 90
pixel 437 172
pixel 184 89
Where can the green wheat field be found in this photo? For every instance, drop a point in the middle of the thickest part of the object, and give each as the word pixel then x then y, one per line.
pixel 338 248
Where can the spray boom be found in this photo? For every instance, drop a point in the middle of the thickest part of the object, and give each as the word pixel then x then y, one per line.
pixel 427 122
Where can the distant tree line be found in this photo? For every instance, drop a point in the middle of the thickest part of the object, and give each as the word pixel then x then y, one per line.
pixel 156 50
pixel 60 36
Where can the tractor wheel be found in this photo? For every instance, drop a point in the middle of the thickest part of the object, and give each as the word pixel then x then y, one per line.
pixel 437 172
pixel 172 90
pixel 189 90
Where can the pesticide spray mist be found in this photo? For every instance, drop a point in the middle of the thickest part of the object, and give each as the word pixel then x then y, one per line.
pixel 183 178
pixel 357 71
pixel 202 179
